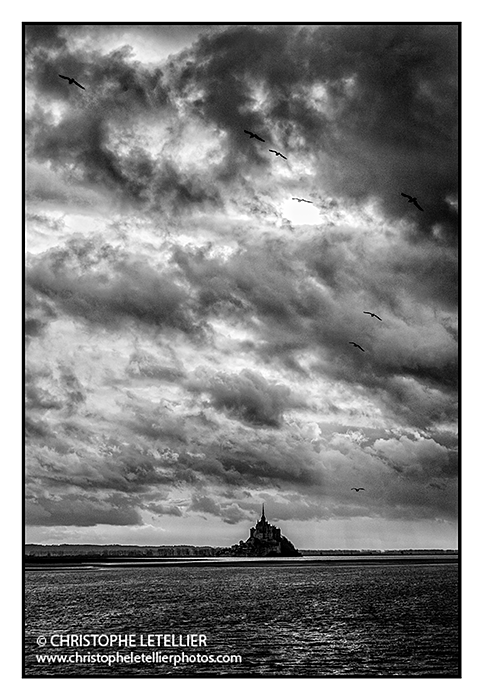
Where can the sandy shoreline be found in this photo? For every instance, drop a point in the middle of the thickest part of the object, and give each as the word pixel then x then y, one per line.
pixel 296 561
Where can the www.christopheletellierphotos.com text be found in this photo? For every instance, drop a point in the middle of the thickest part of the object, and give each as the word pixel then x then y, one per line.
pixel 130 648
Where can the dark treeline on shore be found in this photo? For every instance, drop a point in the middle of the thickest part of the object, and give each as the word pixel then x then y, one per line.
pixel 96 552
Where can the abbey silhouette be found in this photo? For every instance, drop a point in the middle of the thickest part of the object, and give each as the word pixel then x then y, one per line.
pixel 265 541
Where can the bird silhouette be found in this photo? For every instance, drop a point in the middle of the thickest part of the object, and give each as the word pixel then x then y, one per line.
pixel 277 153
pixel 356 346
pixel 71 80
pixel 412 200
pixel 302 200
pixel 253 136
pixel 359 489
pixel 373 315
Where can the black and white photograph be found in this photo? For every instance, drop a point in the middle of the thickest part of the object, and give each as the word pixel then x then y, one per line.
pixel 242 296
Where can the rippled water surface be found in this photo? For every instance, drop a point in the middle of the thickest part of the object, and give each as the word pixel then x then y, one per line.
pixel 394 620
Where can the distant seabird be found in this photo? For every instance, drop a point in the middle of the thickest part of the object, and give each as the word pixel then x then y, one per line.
pixel 302 200
pixel 71 80
pixel 412 200
pixel 356 346
pixel 253 136
pixel 277 153
pixel 373 315
pixel 359 489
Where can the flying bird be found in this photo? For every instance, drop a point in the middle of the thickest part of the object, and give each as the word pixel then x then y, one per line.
pixel 302 200
pixel 277 153
pixel 412 200
pixel 356 346
pixel 253 136
pixel 71 80
pixel 373 315
pixel 359 489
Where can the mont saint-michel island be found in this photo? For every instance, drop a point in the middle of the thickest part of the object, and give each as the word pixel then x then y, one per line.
pixel 265 541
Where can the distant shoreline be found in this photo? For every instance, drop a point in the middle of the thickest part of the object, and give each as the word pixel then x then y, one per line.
pixel 115 555
pixel 207 550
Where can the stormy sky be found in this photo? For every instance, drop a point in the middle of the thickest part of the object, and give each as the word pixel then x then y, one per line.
pixel 189 323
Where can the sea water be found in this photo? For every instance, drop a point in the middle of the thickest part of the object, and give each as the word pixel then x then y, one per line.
pixel 271 620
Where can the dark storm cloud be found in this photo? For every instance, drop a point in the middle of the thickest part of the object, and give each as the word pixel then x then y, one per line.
pixel 247 396
pixel 79 510
pixel 442 376
pixel 157 448
pixel 101 285
pixel 269 461
pixel 54 389
pixel 44 35
pixel 33 327
pixel 204 504
pixel 38 398
pixel 177 190
pixel 230 514
pixel 385 119
pixel 111 80
pixel 119 92
pixel 94 478
pixel 39 312
pixel 255 279
pixel 429 273
pixel 406 396
pixel 61 463
pixel 240 53
pixel 36 429
pixel 80 140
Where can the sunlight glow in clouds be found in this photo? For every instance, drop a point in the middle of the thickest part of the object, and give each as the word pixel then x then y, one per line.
pixel 300 213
